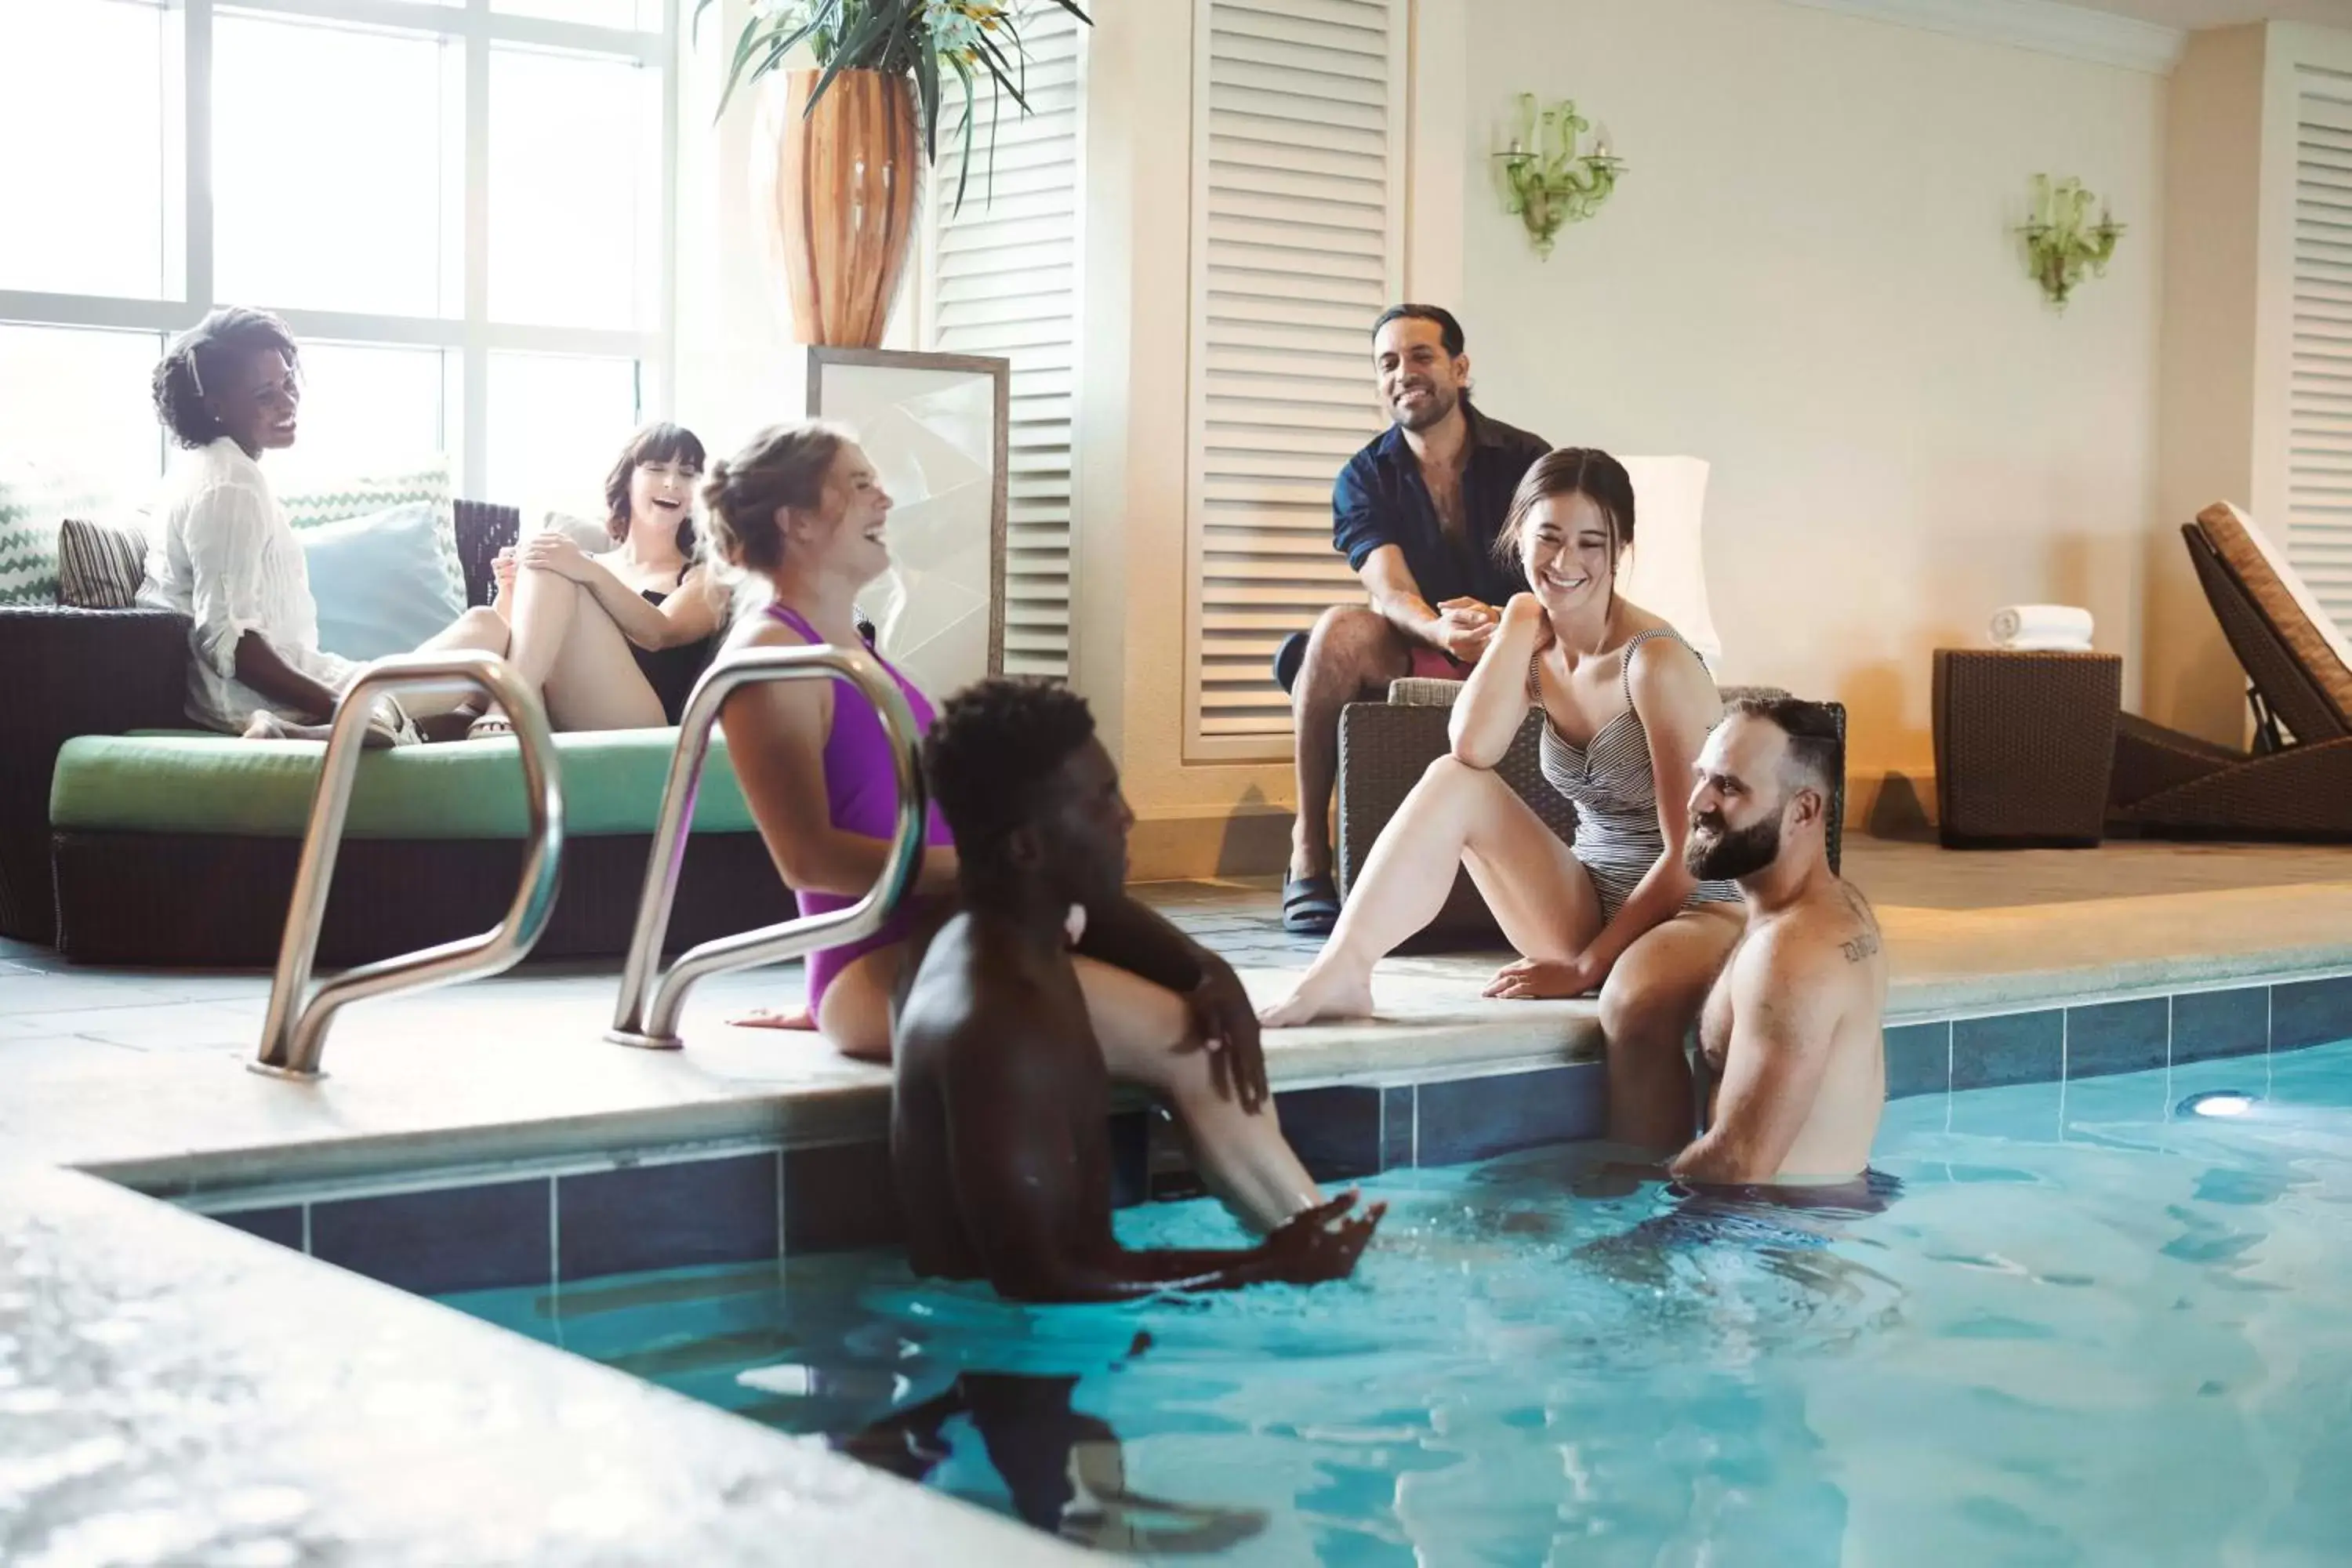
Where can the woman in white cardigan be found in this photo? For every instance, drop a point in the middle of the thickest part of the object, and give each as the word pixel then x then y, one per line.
pixel 225 556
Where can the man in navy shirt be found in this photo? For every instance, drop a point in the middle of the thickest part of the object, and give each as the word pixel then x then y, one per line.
pixel 1416 513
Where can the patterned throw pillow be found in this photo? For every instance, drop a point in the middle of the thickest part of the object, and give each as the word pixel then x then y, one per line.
pixel 35 500
pixel 340 498
pixel 99 568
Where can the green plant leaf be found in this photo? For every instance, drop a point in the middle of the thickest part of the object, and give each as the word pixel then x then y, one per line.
pixel 999 68
pixel 857 46
pixel 743 47
pixel 964 131
pixel 779 40
pixel 927 93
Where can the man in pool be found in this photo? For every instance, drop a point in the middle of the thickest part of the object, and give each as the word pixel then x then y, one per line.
pixel 1000 1104
pixel 1791 1029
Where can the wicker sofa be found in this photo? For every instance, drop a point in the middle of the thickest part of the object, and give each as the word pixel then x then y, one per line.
pixel 1385 747
pixel 138 869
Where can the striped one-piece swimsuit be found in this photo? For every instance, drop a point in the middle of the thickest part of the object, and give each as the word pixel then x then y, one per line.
pixel 1616 799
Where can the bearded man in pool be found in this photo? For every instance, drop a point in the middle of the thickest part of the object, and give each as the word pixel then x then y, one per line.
pixel 1790 1031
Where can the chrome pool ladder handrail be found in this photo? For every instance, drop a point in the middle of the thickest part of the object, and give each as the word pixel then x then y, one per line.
pixel 645 1015
pixel 294 1036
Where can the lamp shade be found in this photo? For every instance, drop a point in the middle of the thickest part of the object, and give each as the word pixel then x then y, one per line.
pixel 1666 574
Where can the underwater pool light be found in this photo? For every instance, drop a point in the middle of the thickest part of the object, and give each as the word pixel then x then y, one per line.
pixel 2219 1103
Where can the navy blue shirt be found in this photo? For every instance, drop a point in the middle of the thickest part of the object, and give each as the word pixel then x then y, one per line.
pixel 1380 500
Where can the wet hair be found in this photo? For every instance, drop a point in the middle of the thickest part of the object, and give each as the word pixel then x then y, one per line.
pixel 1584 471
pixel 784 465
pixel 1449 331
pixel 989 755
pixel 657 443
pixel 1816 756
pixel 202 354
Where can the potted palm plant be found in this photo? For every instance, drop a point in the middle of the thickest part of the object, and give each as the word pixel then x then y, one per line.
pixel 836 169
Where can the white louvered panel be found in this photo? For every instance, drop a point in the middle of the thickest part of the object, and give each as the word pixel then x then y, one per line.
pixel 1004 281
pixel 2319 399
pixel 1298 156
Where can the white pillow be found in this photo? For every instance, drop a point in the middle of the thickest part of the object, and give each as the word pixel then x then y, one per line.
pixel 1666 572
pixel 588 534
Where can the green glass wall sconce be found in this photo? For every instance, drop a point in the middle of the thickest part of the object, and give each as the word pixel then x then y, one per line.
pixel 1549 183
pixel 2061 241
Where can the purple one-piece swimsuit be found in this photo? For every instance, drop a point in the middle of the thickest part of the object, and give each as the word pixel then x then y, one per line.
pixel 861 794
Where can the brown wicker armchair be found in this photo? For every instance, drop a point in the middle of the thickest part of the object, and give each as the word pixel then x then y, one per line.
pixel 1385 747
pixel 2297 783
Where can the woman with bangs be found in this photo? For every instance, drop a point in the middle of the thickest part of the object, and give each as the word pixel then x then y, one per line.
pixel 1626 705
pixel 615 640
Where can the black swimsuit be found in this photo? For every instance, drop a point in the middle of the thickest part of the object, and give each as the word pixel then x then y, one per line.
pixel 672 671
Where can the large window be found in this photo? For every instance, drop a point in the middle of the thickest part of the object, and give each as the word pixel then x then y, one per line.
pixel 462 209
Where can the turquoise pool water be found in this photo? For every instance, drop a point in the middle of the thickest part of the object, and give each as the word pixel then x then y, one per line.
pixel 2087 1329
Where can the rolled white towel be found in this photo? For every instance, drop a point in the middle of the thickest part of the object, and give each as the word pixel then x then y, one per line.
pixel 2028 627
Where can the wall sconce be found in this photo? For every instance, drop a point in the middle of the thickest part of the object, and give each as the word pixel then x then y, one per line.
pixel 1549 183
pixel 2061 241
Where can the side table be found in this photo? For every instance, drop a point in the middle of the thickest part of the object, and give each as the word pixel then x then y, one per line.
pixel 2024 745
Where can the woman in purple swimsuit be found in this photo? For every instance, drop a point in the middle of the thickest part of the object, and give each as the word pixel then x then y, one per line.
pixel 802 509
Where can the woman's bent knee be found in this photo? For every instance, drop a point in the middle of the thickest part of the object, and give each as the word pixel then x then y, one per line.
pixel 1449 776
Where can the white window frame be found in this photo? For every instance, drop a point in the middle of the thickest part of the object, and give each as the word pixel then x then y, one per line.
pixel 472 334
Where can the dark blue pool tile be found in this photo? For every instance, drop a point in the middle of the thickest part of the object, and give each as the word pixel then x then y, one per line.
pixel 282 1225
pixel 2311 1012
pixel 840 1196
pixel 2211 1024
pixel 2117 1036
pixel 2013 1047
pixel 1396 1127
pixel 1470 1119
pixel 1131 1158
pixel 1918 1060
pixel 1336 1130
pixel 457 1238
pixel 666 1216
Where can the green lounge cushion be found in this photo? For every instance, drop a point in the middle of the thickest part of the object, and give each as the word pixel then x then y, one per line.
pixel 261 789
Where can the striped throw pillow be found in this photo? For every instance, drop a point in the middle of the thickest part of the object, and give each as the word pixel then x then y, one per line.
pixel 99 568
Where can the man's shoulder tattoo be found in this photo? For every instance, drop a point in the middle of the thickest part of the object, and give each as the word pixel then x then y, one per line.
pixel 1865 946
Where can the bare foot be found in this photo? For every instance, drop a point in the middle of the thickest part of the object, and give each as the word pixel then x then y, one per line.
pixel 266 726
pixel 1323 992
pixel 777 1018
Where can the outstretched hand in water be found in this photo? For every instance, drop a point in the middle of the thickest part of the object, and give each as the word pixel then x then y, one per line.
pixel 1321 1244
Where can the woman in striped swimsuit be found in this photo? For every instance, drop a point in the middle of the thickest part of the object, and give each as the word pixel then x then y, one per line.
pixel 802 509
pixel 1626 706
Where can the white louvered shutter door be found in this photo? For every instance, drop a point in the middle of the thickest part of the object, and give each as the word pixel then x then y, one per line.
pixel 1299 148
pixel 2319 403
pixel 1004 281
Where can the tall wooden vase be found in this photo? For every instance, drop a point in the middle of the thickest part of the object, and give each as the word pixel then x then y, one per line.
pixel 838 190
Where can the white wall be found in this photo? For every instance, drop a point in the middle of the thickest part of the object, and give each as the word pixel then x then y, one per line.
pixel 1808 277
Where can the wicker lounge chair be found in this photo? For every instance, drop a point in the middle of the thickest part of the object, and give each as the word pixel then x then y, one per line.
pixel 2297 782
pixel 1385 747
